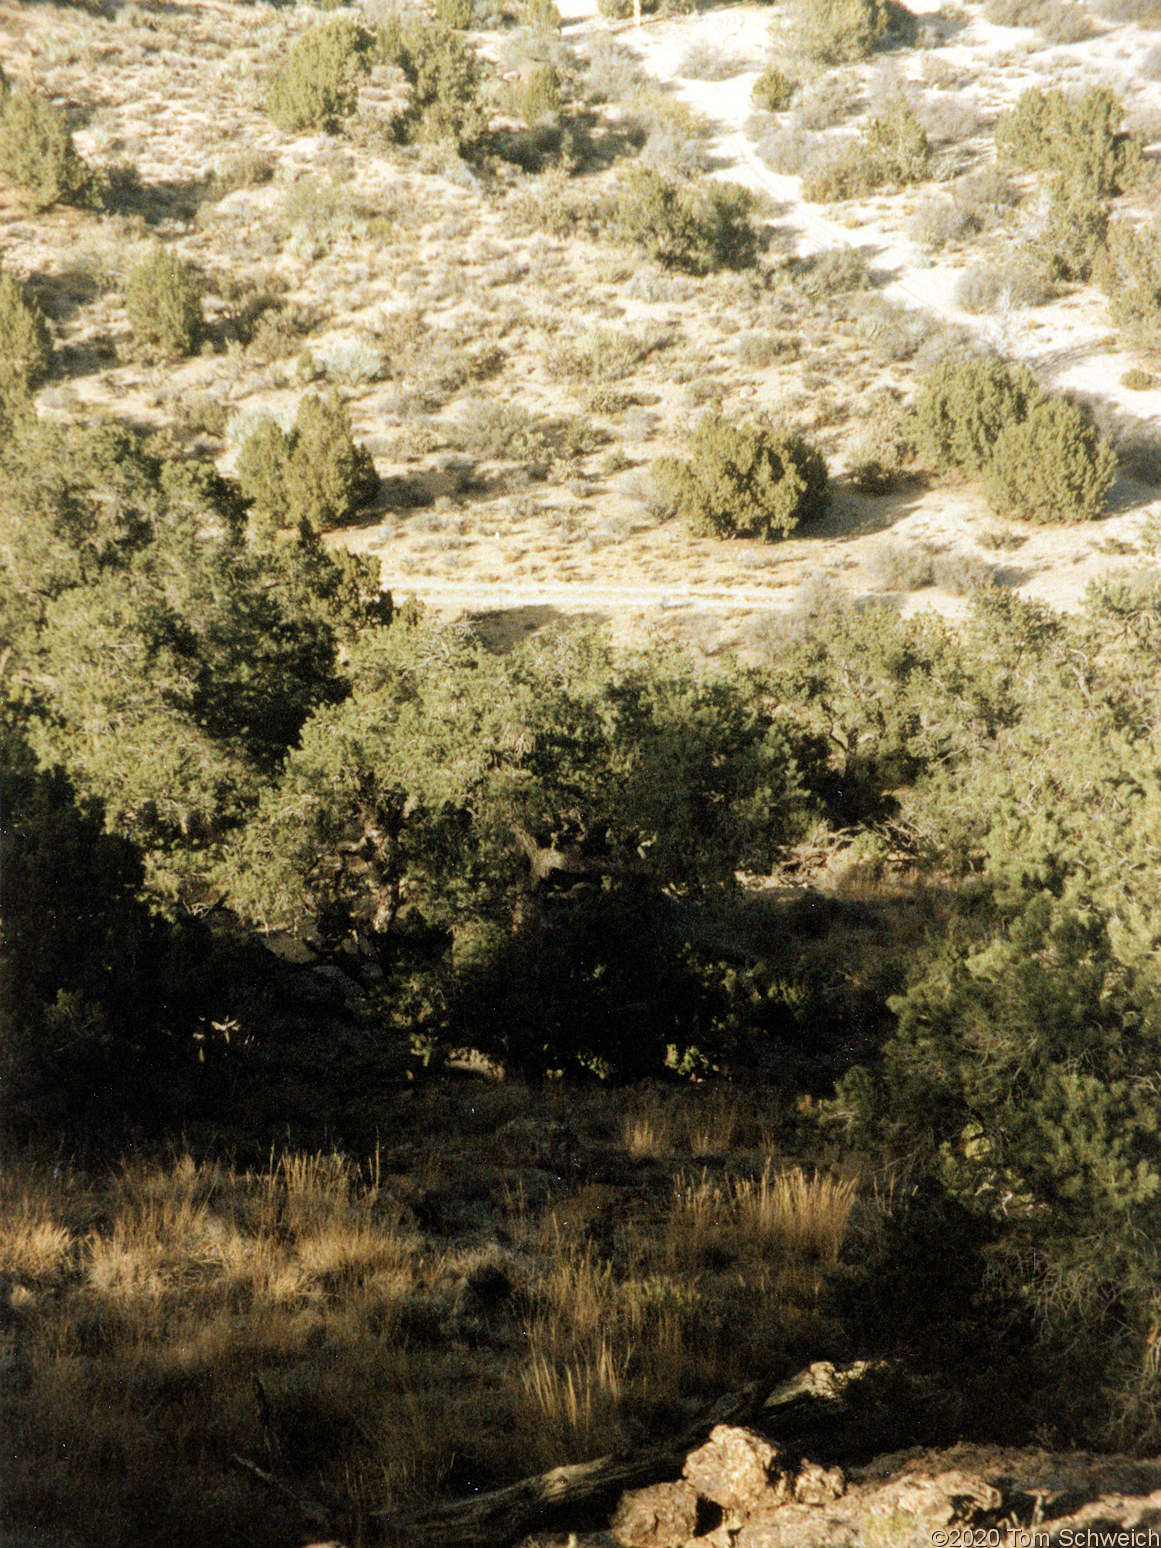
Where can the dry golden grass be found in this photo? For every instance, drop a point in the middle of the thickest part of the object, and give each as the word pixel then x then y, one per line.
pixel 168 1316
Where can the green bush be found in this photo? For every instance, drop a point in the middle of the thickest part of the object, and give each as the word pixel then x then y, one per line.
pixel 898 144
pixel 893 149
pixel 318 83
pixel 963 406
pixel 455 14
pixel 745 481
pixel 539 96
pixel 37 152
pixel 1072 240
pixel 540 16
pixel 25 343
pixel 445 75
pixel 1051 465
pixel 164 301
pixel 1080 138
pixel 838 31
pixel 261 471
pixel 315 475
pixel 773 92
pixel 698 227
pixel 1130 275
pixel 844 171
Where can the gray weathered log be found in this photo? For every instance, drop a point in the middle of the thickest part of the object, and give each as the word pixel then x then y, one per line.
pixel 493 1519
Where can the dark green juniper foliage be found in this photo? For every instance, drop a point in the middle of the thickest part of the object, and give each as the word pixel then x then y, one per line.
pixel 745 481
pixel 699 227
pixel 445 75
pixel 318 84
pixel 37 152
pixel 316 475
pixel 25 346
pixel 163 300
pixel 1040 457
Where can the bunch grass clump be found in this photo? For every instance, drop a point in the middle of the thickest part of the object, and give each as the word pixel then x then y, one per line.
pixel 745 481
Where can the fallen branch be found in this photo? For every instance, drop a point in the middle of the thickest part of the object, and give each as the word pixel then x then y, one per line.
pixel 489 1520
pixel 310 1510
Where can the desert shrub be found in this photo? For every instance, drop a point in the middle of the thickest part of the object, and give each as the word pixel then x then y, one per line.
pixel 445 75
pixel 758 351
pixel 960 573
pixel 837 31
pixel 948 118
pixel 881 456
pixel 745 481
pixel 314 211
pixel 707 62
pixel 612 75
pixel 163 299
pixel 456 14
pixel 963 405
pixel 1078 138
pixel 25 343
pixel 984 197
pixel 1137 380
pixel 315 474
pixel 893 149
pixel 825 103
pixel 37 152
pixel 540 16
pixel 985 286
pixel 495 428
pixel 539 96
pixel 1050 465
pixel 1058 21
pixel 1130 275
pixel 835 272
pixel 621 10
pixel 676 145
pixel 788 151
pixel 844 171
pixel 938 221
pixel 698 227
pixel 773 91
pixel 896 141
pixel 898 332
pixel 1068 232
pixel 898 566
pixel 318 83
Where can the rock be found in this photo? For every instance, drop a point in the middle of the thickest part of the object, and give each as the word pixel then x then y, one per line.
pixel 661 1516
pixel 938 1500
pixel 817 1485
pixel 735 1469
